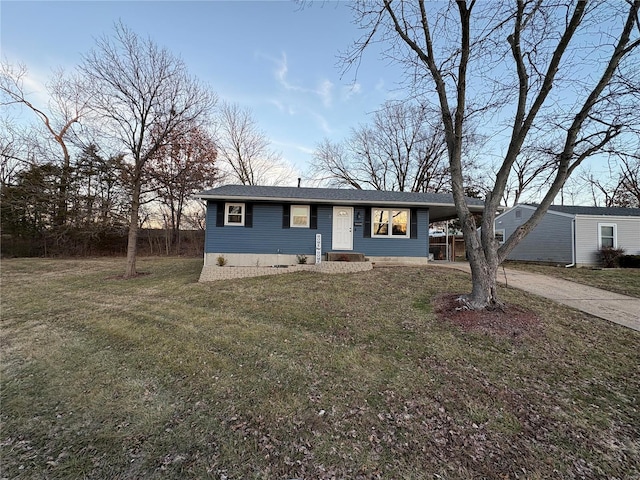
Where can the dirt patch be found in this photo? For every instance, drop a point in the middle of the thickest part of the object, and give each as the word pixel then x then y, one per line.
pixel 510 321
pixel 122 277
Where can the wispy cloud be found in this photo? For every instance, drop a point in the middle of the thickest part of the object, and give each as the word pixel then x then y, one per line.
pixel 322 122
pixel 324 90
pixel 282 106
pixel 294 146
pixel 350 91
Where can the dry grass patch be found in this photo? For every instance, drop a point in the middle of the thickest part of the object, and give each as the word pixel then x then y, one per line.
pixel 301 376
pixel 625 281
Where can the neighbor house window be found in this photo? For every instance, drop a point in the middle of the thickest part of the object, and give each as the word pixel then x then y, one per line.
pixel 387 222
pixel 499 236
pixel 234 214
pixel 300 216
pixel 607 235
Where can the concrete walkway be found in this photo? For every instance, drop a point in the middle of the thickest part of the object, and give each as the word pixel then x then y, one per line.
pixel 614 307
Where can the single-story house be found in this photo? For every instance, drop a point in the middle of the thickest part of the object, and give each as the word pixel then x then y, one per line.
pixel 259 225
pixel 571 234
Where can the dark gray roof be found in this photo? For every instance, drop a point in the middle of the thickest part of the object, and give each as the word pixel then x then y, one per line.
pixel 331 195
pixel 440 204
pixel 607 211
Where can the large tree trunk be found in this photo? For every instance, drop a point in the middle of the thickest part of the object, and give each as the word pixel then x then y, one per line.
pixel 132 242
pixel 484 293
pixel 481 249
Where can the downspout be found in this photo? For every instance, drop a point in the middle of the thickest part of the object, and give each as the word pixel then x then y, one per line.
pixel 573 244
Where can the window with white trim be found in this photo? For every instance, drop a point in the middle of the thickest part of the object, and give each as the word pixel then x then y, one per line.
pixel 234 214
pixel 300 216
pixel 607 235
pixel 499 235
pixel 388 222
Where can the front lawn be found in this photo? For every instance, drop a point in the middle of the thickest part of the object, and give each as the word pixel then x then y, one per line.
pixel 620 280
pixel 301 376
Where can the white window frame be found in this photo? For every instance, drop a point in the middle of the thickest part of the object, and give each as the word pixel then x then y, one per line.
pixel 292 216
pixel 389 233
pixel 500 230
pixel 615 234
pixel 226 214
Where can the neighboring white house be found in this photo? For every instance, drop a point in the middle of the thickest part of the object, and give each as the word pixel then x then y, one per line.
pixel 571 234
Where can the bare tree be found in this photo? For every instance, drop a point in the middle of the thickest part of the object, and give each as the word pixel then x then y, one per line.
pixel 67 104
pixel 245 151
pixel 620 188
pixel 531 171
pixel 629 183
pixel 401 150
pixel 496 63
pixel 11 154
pixel 145 99
pixel 179 170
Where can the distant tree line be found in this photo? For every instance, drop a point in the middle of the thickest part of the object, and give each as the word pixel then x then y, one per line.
pixel 128 137
pixel 122 144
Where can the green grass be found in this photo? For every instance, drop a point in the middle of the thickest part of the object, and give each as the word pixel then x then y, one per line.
pixel 620 280
pixel 300 376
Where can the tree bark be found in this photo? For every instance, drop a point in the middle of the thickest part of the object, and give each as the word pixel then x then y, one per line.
pixel 132 243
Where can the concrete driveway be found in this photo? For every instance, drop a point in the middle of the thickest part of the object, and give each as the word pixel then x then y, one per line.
pixel 614 307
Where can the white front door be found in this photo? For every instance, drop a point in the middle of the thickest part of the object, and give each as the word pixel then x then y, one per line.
pixel 342 228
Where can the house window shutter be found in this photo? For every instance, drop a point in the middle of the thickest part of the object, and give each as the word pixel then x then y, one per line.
pixel 220 214
pixel 286 216
pixel 413 228
pixel 248 215
pixel 313 221
pixel 366 230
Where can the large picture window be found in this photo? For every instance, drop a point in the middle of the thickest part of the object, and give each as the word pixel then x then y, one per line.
pixel 387 222
pixel 607 235
pixel 300 216
pixel 234 214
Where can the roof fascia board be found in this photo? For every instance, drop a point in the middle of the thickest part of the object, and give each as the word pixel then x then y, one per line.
pixel 530 207
pixel 562 214
pixel 606 218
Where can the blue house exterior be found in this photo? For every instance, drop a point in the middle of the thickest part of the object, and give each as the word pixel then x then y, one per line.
pixel 256 225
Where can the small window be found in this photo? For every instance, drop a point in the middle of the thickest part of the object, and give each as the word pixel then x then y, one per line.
pixel 234 214
pixel 518 213
pixel 389 223
pixel 300 216
pixel 499 236
pixel 607 235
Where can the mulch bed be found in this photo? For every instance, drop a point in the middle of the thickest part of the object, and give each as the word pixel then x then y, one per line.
pixel 509 321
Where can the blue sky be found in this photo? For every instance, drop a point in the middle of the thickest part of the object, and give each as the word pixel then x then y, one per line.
pixel 272 57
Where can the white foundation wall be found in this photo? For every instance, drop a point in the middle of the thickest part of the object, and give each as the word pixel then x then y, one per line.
pixel 409 261
pixel 211 273
pixel 269 260
pixel 254 259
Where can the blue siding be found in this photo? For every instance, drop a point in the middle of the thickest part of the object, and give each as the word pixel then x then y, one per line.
pixel 268 237
pixel 394 247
